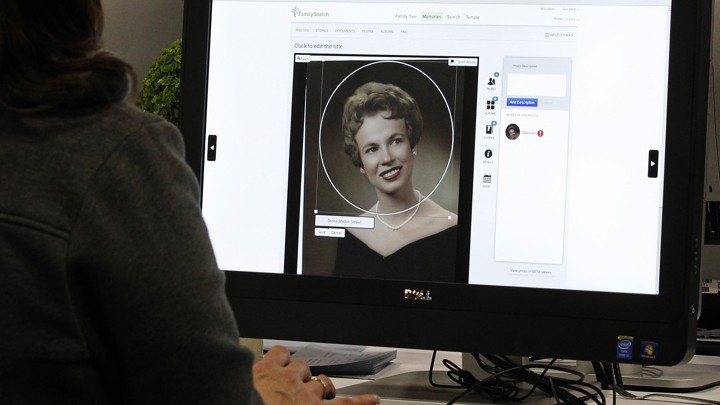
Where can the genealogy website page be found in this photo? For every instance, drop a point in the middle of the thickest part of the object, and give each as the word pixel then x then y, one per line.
pixel 570 102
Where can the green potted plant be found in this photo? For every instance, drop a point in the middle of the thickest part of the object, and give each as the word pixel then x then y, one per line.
pixel 161 87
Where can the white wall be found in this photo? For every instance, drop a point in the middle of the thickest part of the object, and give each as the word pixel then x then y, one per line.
pixel 137 30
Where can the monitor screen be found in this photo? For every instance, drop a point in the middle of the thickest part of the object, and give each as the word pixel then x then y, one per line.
pixel 507 177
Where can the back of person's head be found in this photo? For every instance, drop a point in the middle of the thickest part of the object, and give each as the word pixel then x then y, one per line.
pixel 51 59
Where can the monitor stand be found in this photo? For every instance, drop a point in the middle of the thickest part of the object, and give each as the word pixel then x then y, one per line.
pixel 690 377
pixel 412 387
pixel 415 387
pixel 676 379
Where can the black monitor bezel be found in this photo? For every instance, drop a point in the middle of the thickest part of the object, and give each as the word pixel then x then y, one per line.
pixel 490 319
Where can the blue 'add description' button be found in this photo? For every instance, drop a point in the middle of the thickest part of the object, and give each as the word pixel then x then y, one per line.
pixel 522 102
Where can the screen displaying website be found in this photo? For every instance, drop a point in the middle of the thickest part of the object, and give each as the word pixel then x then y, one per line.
pixel 495 144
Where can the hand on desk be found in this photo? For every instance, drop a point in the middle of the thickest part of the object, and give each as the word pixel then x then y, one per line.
pixel 281 380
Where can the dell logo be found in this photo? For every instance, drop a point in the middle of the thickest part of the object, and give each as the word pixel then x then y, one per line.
pixel 417 295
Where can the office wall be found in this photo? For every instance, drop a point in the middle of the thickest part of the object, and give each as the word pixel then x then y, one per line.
pixel 138 30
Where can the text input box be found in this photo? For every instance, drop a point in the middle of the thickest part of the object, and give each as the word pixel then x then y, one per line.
pixel 546 85
pixel 342 221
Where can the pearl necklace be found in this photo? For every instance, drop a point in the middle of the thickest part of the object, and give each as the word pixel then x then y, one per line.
pixel 408 219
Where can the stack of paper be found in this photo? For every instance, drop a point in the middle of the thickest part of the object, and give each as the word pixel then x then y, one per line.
pixel 332 361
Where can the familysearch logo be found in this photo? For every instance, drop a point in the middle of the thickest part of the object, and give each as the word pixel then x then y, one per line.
pixel 298 13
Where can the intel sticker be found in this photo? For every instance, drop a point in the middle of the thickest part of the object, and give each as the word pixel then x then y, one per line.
pixel 624 348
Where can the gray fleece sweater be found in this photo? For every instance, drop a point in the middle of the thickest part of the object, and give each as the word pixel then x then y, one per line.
pixel 109 290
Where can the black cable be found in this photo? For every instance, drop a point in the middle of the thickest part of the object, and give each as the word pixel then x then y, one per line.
pixel 505 376
pixel 534 387
pixel 578 384
pixel 482 382
pixel 618 375
pixel 613 386
pixel 456 374
pixel 600 375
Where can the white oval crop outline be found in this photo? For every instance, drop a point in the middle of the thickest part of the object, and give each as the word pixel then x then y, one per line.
pixel 452 140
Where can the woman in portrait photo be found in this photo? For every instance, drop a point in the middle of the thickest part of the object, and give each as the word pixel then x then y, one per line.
pixel 512 132
pixel 413 237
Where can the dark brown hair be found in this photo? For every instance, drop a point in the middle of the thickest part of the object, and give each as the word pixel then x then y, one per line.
pixel 51 58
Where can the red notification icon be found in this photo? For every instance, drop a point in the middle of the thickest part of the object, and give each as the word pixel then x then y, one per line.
pixel 541 133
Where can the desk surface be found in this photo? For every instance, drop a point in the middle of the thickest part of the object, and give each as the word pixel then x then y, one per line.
pixel 407 377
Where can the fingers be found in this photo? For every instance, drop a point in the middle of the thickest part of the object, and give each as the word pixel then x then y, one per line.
pixel 278 355
pixel 280 379
pixel 367 399
pixel 328 391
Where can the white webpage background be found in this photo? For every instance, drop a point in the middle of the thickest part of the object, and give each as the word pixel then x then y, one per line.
pixel 245 190
pixel 614 210
pixel 617 115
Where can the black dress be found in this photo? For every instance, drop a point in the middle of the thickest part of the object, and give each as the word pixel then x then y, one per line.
pixel 429 259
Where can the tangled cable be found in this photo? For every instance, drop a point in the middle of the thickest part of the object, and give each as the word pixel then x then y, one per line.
pixel 505 379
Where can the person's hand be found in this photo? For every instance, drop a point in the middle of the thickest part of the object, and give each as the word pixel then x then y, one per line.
pixel 281 380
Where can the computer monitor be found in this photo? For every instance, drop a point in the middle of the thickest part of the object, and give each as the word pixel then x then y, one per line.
pixel 550 203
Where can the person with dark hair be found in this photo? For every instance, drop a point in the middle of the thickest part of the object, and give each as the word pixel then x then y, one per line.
pixel 109 289
pixel 414 237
